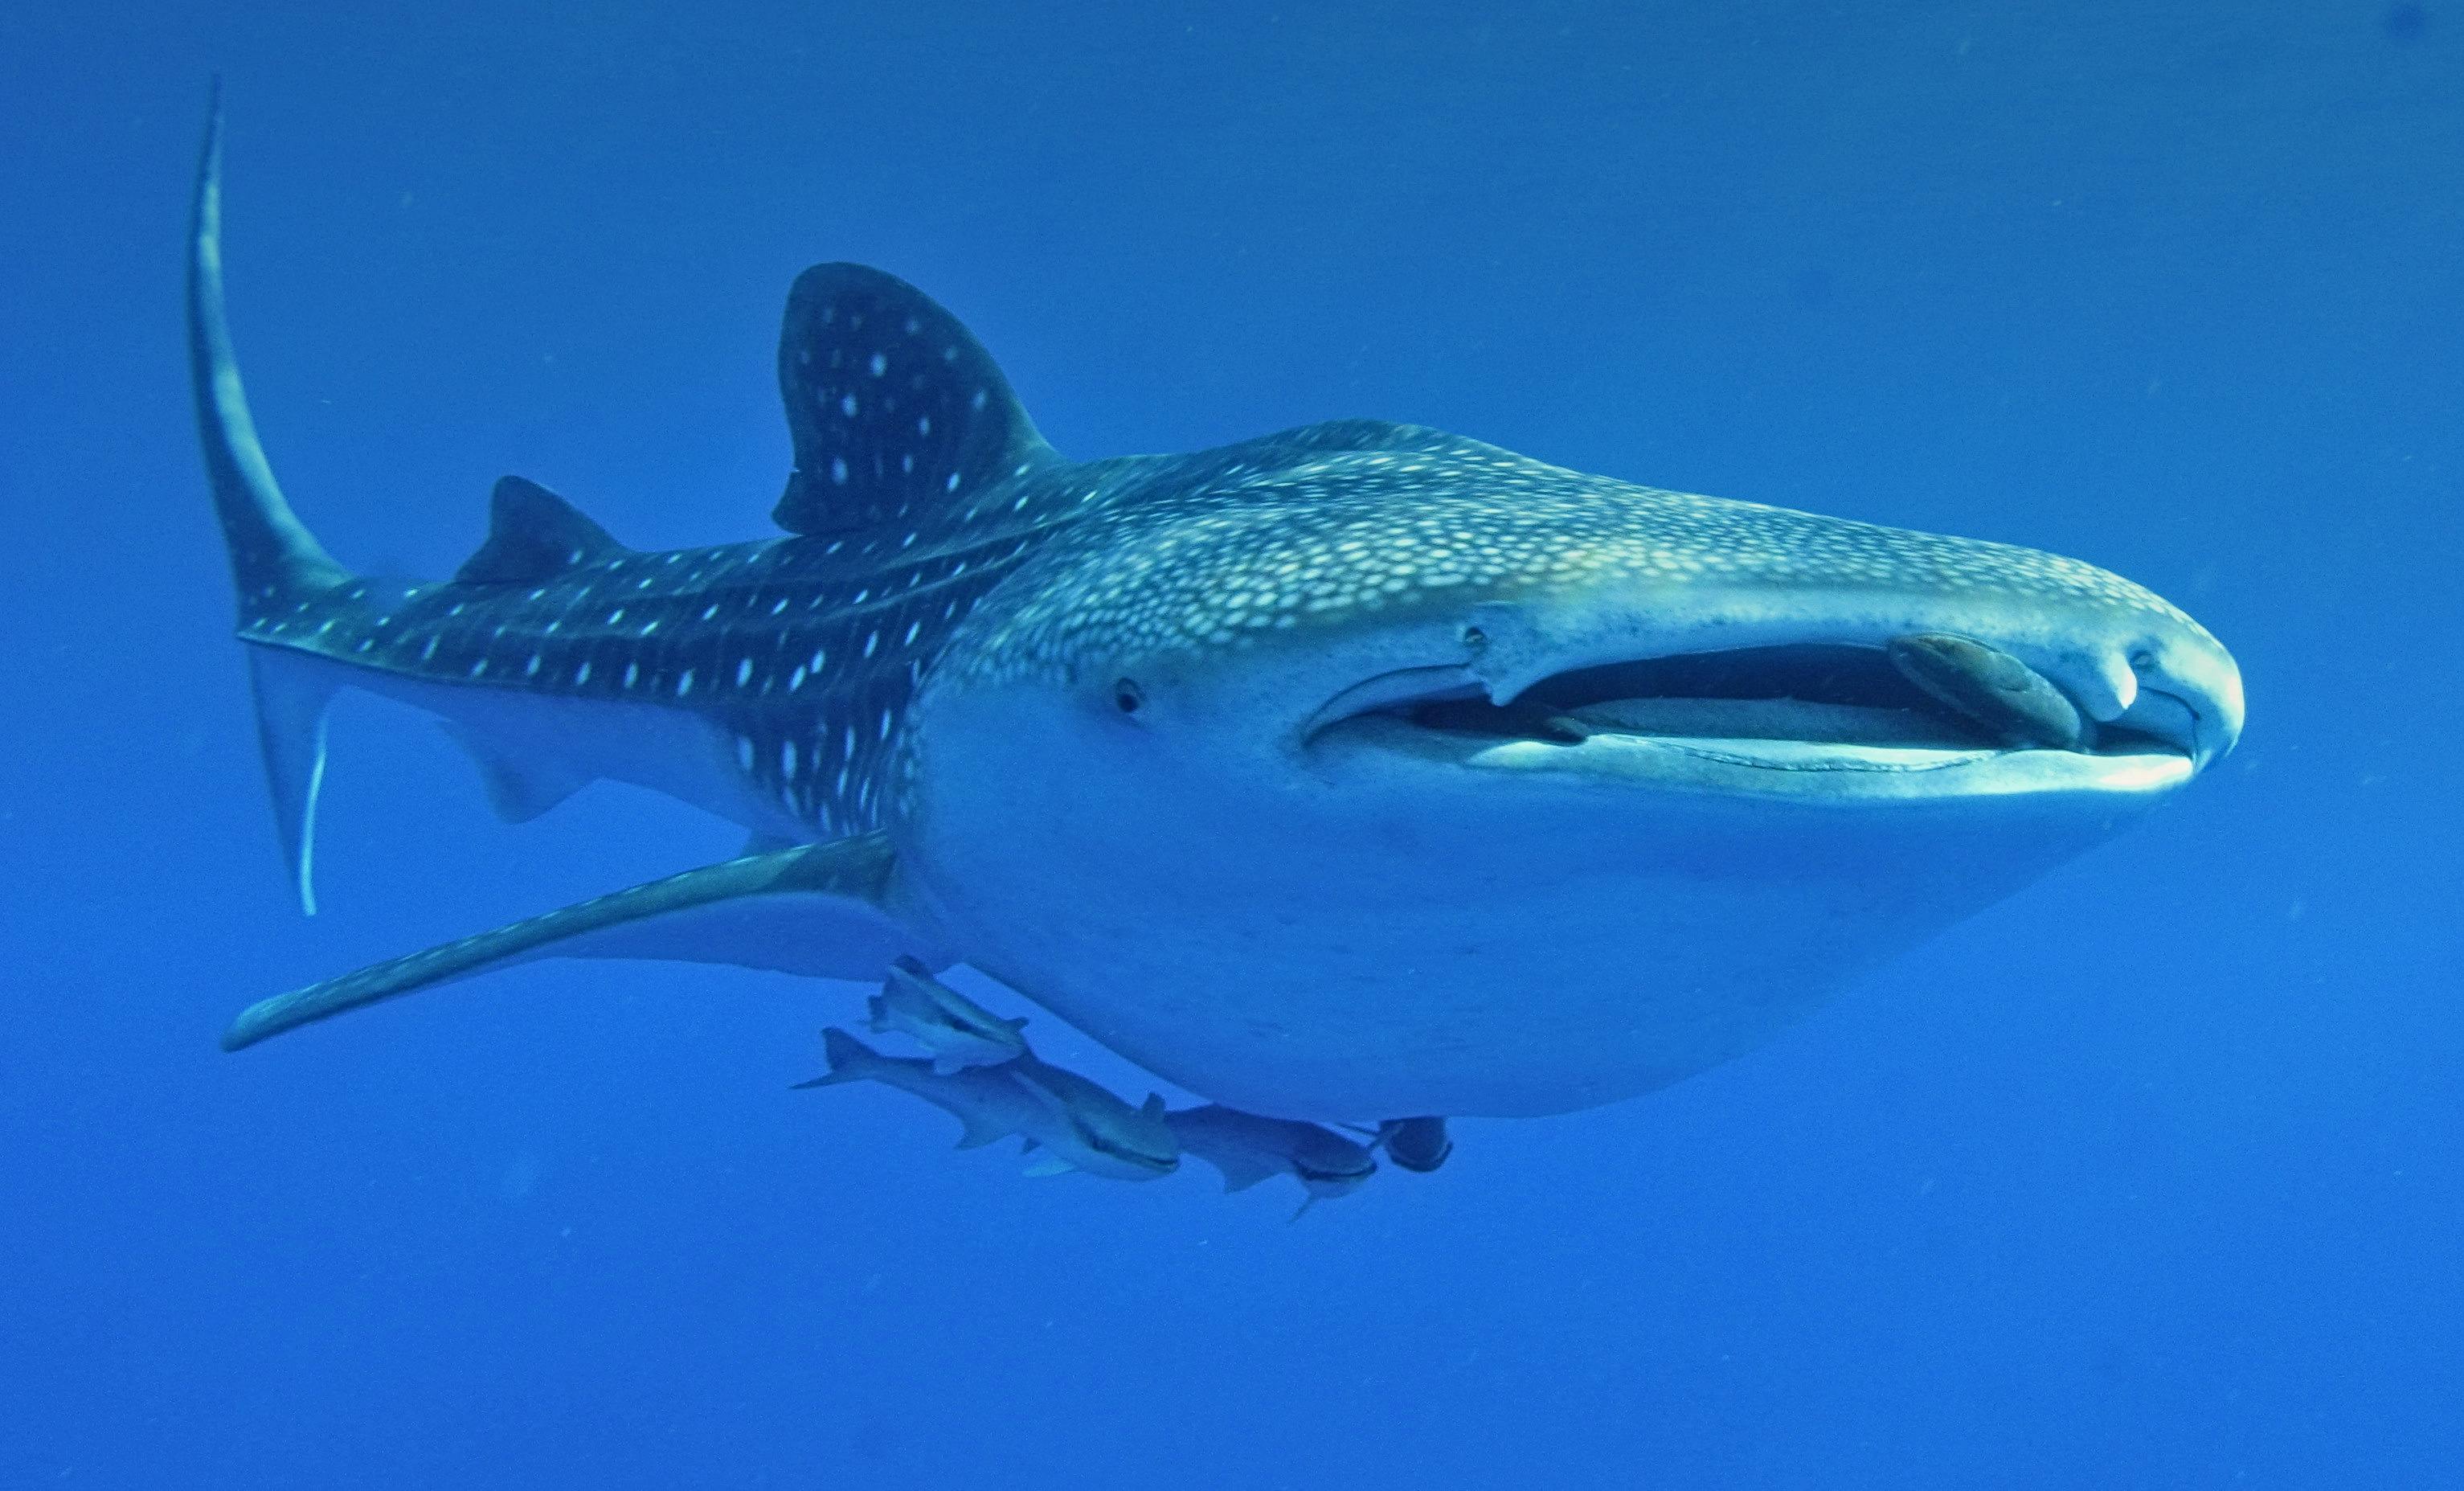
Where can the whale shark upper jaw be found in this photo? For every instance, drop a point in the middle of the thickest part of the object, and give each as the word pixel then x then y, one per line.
pixel 1827 719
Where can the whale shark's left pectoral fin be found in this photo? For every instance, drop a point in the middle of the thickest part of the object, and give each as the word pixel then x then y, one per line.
pixel 816 910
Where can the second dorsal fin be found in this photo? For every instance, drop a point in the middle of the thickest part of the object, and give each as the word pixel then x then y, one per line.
pixel 895 410
pixel 533 535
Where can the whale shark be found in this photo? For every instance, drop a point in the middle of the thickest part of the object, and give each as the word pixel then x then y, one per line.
pixel 1357 773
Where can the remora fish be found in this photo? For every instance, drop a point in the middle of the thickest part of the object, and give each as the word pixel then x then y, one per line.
pixel 1247 1149
pixel 1079 1125
pixel 1242 761
pixel 957 1030
pixel 1100 1122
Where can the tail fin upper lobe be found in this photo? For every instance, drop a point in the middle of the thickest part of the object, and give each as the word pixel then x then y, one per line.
pixel 274 561
pixel 849 1060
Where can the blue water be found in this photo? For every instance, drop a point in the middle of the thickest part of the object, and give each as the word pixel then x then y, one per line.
pixel 2149 1176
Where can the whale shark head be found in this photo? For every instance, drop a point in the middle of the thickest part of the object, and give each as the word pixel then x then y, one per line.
pixel 1368 739
pixel 1364 600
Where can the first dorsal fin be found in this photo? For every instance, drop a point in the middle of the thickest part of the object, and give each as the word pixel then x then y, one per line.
pixel 895 408
pixel 533 535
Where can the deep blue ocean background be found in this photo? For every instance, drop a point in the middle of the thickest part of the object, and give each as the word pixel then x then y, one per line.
pixel 2148 1177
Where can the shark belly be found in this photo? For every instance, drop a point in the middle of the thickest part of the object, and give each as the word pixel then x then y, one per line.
pixel 1360 952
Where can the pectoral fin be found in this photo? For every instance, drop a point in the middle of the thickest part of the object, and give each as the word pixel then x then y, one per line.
pixel 815 910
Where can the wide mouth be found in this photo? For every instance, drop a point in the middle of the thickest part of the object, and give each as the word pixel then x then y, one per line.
pixel 1796 708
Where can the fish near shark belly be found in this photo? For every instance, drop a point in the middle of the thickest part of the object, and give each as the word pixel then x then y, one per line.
pixel 1358 770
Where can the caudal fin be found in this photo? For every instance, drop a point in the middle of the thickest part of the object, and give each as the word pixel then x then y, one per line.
pixel 276 563
pixel 851 1059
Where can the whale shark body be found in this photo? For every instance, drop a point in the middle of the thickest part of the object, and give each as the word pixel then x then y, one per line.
pixel 1356 772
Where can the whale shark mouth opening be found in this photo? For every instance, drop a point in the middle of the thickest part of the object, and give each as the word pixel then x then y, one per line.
pixel 1797 706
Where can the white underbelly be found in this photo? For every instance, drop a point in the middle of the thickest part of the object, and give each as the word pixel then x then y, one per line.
pixel 1550 951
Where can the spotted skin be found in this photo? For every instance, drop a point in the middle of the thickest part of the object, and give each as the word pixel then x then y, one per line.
pixel 804 653
pixel 807 650
pixel 1308 530
pixel 892 407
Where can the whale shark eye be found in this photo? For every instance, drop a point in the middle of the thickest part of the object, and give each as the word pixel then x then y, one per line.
pixel 1128 696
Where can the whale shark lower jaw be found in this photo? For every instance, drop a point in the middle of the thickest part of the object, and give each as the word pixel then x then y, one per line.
pixel 1355 773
